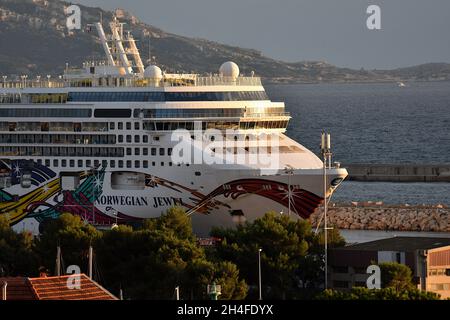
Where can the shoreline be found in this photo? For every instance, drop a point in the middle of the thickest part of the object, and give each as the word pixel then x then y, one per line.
pixel 270 81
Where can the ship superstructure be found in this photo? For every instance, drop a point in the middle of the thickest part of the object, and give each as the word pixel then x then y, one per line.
pixel 115 142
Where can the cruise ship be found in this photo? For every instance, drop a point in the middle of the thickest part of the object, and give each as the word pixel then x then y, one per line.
pixel 116 142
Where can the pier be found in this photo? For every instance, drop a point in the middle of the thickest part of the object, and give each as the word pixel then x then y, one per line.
pixel 398 172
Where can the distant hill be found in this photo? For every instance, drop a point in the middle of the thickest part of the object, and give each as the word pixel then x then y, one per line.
pixel 34 40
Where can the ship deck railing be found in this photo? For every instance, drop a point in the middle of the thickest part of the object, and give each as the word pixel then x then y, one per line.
pixel 133 82
pixel 209 115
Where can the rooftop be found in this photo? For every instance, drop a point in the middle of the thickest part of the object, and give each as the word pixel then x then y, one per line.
pixel 54 288
pixel 407 244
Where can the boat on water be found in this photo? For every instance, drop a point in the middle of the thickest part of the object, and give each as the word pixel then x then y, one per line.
pixel 117 142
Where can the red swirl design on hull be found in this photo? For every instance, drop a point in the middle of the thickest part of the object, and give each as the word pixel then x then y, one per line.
pixel 303 202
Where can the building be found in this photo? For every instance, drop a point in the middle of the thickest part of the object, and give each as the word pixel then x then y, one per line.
pixel 52 288
pixel 428 258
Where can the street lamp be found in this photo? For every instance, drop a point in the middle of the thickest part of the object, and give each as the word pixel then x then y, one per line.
pixel 325 147
pixel 259 273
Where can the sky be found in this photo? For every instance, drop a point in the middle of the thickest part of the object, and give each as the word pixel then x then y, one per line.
pixel 412 31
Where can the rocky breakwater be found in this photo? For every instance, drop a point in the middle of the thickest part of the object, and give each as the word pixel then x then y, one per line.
pixel 377 216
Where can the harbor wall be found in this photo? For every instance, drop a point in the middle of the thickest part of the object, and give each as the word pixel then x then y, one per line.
pixel 398 172
pixel 381 217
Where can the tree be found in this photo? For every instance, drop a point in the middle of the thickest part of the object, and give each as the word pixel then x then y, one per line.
pixel 73 236
pixel 396 275
pixel 361 293
pixel 16 252
pixel 227 275
pixel 291 254
pixel 150 262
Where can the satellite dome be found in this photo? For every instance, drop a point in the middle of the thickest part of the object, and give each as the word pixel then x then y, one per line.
pixel 153 72
pixel 229 69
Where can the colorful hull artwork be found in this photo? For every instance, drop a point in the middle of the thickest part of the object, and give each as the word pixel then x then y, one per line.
pixel 48 200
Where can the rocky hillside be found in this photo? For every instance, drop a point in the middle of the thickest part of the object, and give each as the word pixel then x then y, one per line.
pixel 34 40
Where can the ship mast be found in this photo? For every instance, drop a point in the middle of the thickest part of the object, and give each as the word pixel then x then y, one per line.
pixel 134 52
pixel 117 36
pixel 117 53
pixel 102 36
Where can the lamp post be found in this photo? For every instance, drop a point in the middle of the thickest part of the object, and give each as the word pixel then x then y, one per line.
pixel 290 171
pixel 259 273
pixel 326 152
pixel 177 293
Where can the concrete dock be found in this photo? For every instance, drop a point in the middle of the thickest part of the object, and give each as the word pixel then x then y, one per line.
pixel 398 172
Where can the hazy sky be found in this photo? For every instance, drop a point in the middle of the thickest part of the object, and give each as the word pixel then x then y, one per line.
pixel 413 31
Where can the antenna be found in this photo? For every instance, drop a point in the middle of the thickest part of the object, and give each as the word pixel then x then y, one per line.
pixel 149 51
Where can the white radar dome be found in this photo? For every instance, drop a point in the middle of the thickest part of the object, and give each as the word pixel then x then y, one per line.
pixel 153 72
pixel 229 69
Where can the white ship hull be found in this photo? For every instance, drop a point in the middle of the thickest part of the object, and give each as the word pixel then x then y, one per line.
pixel 215 198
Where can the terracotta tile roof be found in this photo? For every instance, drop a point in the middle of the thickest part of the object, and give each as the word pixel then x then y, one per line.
pixel 55 288
pixel 19 288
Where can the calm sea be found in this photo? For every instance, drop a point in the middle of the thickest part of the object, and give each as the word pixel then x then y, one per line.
pixel 375 123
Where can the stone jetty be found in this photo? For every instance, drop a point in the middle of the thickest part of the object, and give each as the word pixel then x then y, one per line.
pixel 377 216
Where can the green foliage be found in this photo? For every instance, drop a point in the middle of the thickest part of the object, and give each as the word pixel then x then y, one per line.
pixel 227 275
pixel 174 221
pixel 72 234
pixel 360 293
pixel 396 275
pixel 150 262
pixel 16 251
pixel 291 258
